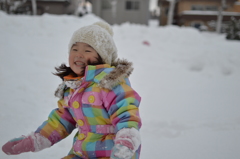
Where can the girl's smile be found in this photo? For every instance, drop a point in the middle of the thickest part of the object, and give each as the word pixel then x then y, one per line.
pixel 79 63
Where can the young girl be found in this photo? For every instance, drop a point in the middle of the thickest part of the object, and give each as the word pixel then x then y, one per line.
pixel 96 98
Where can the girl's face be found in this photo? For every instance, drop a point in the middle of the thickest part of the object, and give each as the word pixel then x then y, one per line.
pixel 80 56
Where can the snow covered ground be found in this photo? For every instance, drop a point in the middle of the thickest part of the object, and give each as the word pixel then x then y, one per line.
pixel 188 80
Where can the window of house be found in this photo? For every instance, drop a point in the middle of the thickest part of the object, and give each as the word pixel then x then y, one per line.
pixel 132 5
pixel 211 8
pixel 106 4
pixel 206 8
pixel 197 7
pixel 166 11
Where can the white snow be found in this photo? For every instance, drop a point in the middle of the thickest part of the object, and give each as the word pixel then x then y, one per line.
pixel 39 142
pixel 199 12
pixel 153 4
pixel 188 80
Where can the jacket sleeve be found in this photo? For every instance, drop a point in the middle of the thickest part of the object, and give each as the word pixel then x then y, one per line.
pixel 59 125
pixel 122 103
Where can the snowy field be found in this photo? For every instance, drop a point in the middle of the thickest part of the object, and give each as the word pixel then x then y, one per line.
pixel 189 82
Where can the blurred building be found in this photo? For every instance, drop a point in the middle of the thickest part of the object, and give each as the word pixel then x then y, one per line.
pixel 237 6
pixel 120 11
pixel 112 11
pixel 201 14
pixel 43 6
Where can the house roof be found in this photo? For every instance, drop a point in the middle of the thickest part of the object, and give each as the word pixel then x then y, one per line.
pixel 52 0
pixel 195 12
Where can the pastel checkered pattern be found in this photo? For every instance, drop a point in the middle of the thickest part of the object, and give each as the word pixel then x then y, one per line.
pixel 88 108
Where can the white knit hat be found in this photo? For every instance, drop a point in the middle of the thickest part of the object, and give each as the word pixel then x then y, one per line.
pixel 99 36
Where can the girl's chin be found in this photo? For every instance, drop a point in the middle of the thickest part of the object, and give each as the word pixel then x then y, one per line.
pixel 79 73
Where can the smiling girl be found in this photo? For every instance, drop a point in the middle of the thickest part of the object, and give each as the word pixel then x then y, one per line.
pixel 96 98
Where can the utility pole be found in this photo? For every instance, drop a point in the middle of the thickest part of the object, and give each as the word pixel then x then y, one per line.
pixel 171 12
pixel 221 8
pixel 34 7
pixel 114 10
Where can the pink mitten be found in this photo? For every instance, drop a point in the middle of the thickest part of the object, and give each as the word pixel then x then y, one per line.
pixel 127 141
pixel 33 142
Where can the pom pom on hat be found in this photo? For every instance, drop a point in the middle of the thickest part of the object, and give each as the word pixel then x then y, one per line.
pixel 99 36
pixel 106 26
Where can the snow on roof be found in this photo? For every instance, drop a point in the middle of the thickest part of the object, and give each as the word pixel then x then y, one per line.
pixel 194 12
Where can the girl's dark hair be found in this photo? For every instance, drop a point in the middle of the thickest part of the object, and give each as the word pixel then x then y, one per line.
pixel 63 70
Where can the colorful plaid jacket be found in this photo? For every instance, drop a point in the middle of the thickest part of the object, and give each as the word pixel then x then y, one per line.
pixel 99 107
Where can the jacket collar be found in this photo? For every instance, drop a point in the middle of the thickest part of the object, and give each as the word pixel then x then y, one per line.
pixel 105 76
pixel 109 76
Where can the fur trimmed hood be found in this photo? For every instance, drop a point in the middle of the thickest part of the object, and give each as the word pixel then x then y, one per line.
pixel 104 75
pixel 123 69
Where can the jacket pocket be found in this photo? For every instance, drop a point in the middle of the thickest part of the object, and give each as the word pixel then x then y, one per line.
pixel 98 145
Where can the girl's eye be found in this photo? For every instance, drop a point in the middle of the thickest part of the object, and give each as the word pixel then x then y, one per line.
pixel 88 51
pixel 74 49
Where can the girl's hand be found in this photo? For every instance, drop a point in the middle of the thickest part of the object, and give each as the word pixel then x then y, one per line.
pixel 18 145
pixel 121 152
pixel 127 141
pixel 33 142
